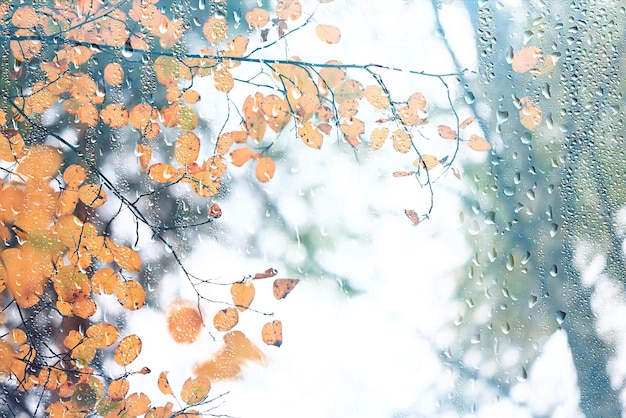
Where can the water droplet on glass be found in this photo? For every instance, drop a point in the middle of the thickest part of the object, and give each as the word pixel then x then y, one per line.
pixel 469 97
pixel 510 263
pixel 554 270
pixel 560 317
pixel 523 375
pixel 127 49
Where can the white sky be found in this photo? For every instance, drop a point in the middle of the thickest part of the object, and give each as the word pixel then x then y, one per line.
pixel 375 354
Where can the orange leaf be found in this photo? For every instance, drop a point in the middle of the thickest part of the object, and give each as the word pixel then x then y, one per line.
pixel 288 9
pixel 74 175
pixel 254 117
pixel 103 334
pixel 310 135
pixel 376 97
pixel 530 114
pixel 105 281
pixel 243 294
pixel 92 195
pixel 257 18
pixel 401 140
pixel 187 148
pixel 215 29
pixel 332 76
pixel 164 384
pixel 272 333
pixel 7 356
pixel 184 322
pixel 282 287
pixel 137 404
pixel 127 350
pixel 115 115
pixel 467 122
pixel 478 143
pixel 328 33
pixel 41 161
pixel 227 361
pixel 114 74
pixel 241 155
pixel 130 295
pixel 215 211
pixel 144 154
pixel 426 161
pixel 127 258
pixel 164 173
pixel 226 319
pixel 224 80
pixel 446 132
pixel 265 169
pixel 195 390
pixel 526 59
pixel 17 336
pixel 118 389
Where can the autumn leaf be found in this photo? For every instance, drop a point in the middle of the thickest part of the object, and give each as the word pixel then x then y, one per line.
pixel 195 390
pixel 187 148
pixel 310 135
pixel 272 333
pixel 127 350
pixel 130 295
pixel 265 169
pixel 184 322
pixel 282 287
pixel 241 155
pixel 526 59
pixel 446 132
pixel 164 384
pixel 118 389
pixel 478 143
pixel 328 33
pixel 242 294
pixel 529 114
pixel 226 319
